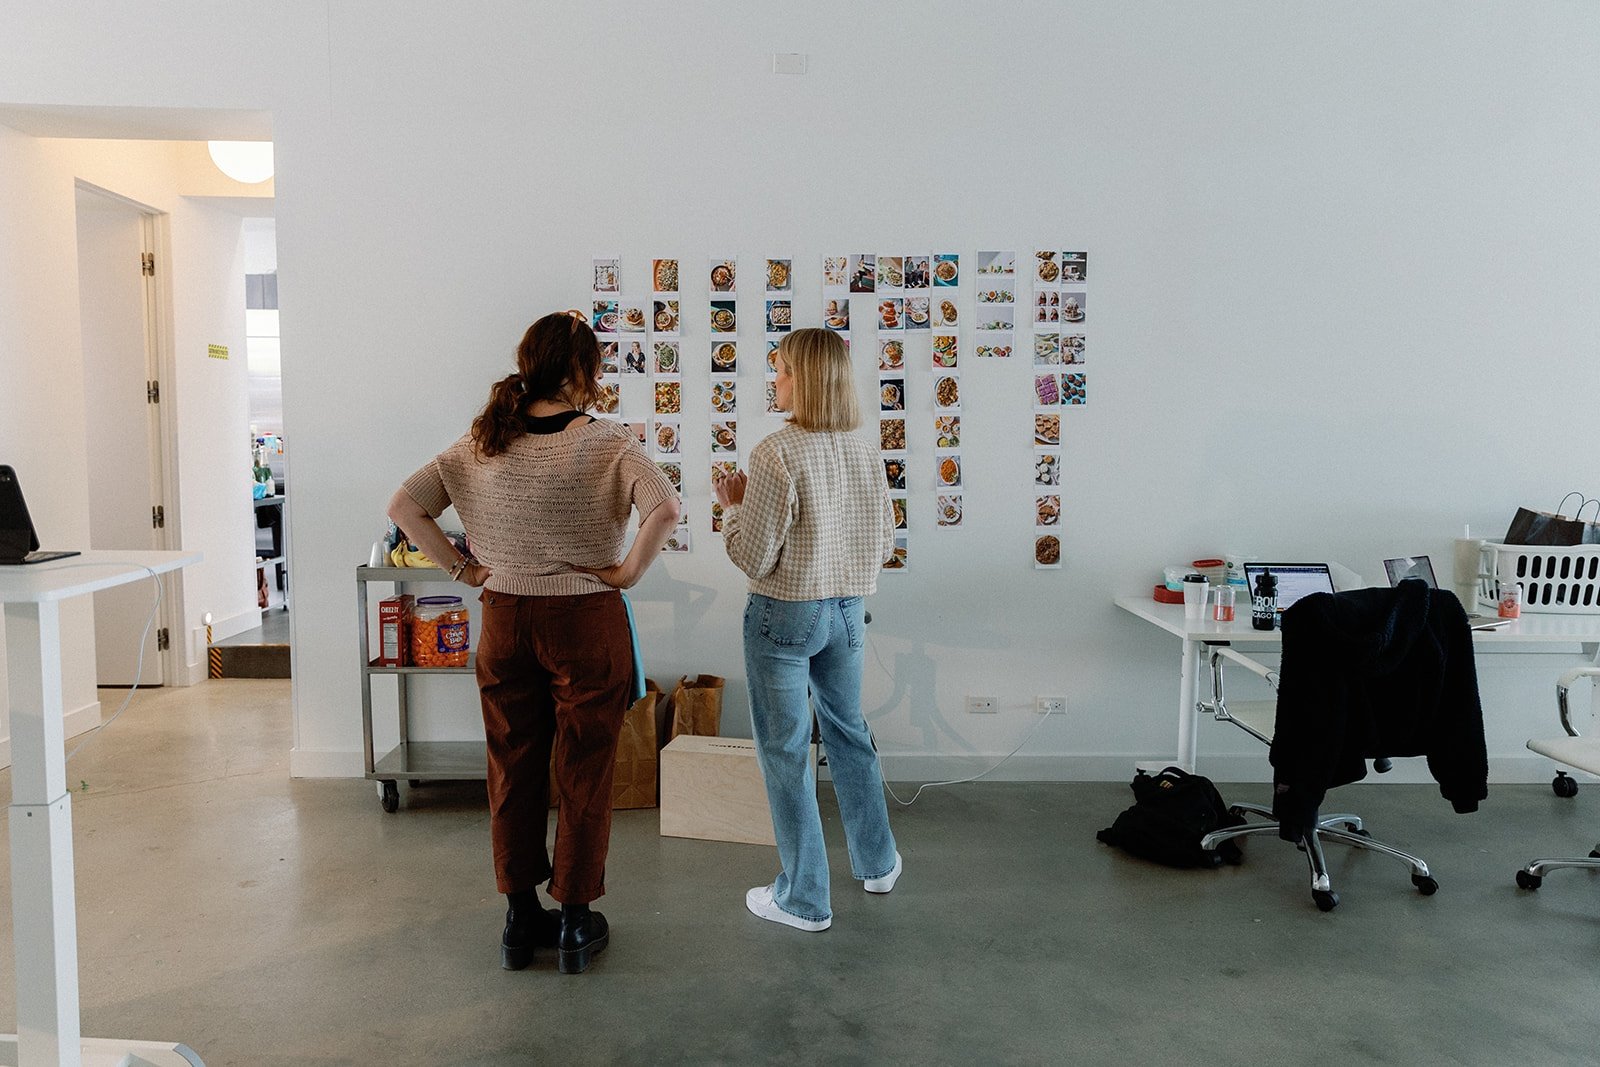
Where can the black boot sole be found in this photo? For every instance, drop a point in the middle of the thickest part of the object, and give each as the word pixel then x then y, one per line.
pixel 515 959
pixel 576 960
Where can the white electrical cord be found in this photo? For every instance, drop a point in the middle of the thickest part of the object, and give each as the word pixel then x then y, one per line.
pixel 144 637
pixel 955 781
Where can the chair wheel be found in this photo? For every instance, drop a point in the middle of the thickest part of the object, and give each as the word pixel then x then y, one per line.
pixel 1326 899
pixel 1360 831
pixel 1426 884
pixel 1563 785
pixel 1528 881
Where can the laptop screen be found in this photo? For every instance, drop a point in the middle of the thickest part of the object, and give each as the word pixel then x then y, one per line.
pixel 17 538
pixel 1295 580
pixel 1405 567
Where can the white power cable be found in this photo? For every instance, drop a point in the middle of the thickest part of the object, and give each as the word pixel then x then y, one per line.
pixel 138 674
pixel 954 781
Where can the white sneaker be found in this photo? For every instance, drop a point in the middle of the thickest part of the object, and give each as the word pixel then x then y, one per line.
pixel 759 901
pixel 886 883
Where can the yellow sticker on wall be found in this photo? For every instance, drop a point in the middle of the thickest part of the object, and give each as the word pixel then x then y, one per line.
pixel 217 351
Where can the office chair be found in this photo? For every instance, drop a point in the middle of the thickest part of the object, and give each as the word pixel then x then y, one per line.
pixel 1258 718
pixel 1574 750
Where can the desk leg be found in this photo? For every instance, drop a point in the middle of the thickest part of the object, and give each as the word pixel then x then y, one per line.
pixel 44 920
pixel 1187 718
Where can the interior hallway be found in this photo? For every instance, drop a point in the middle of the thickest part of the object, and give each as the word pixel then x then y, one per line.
pixel 266 921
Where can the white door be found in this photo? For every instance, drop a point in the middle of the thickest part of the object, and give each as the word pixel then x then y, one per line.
pixel 124 472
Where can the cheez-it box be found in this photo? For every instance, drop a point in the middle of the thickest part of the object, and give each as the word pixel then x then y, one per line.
pixel 393 614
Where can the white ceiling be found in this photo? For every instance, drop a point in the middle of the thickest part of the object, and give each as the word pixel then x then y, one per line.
pixel 137 123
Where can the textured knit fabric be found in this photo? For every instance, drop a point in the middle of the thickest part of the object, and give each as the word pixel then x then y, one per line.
pixel 548 503
pixel 816 522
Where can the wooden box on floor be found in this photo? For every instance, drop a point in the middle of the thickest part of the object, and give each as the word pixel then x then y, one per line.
pixel 711 789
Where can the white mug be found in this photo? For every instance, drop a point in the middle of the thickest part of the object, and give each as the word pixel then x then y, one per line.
pixel 1195 589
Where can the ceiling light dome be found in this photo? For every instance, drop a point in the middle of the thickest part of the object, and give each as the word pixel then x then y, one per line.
pixel 249 162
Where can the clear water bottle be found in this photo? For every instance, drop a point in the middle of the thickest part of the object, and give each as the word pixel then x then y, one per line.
pixel 1264 602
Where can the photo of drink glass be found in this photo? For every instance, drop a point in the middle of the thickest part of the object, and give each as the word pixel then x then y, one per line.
pixel 1222 602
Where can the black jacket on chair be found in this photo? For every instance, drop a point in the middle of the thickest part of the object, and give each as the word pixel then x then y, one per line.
pixel 1371 673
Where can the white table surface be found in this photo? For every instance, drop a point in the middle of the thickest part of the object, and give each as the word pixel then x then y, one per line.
pixel 1529 633
pixel 44 923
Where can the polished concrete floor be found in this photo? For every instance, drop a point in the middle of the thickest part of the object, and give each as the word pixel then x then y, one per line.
pixel 265 921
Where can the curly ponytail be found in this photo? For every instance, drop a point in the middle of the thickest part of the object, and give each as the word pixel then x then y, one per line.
pixel 558 359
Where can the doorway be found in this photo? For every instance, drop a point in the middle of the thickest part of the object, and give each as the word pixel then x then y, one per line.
pixel 120 377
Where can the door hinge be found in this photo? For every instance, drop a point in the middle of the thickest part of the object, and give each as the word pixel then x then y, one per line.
pixel 158 517
pixel 163 642
pixel 147 264
pixel 152 392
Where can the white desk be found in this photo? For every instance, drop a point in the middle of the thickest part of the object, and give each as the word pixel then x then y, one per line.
pixel 44 922
pixel 1529 631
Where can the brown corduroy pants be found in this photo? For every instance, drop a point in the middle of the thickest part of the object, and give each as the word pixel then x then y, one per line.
pixel 554 672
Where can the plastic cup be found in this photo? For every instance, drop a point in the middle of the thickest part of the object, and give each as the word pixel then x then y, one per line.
pixel 1195 587
pixel 1222 603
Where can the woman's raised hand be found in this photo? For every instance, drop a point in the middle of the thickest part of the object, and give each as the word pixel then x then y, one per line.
pixel 730 489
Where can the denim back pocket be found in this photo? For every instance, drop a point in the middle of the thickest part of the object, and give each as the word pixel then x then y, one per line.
pixel 790 622
pixel 853 611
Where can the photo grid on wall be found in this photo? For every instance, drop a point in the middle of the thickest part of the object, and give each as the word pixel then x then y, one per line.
pixel 911 302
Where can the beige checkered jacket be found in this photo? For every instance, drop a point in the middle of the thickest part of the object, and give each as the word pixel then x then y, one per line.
pixel 816 521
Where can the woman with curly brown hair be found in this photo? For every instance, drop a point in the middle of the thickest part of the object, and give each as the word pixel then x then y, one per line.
pixel 545 492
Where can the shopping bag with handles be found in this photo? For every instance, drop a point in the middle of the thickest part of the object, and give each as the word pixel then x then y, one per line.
pixel 1530 527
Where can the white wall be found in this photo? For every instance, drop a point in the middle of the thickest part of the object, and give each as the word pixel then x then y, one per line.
pixel 41 368
pixel 1363 237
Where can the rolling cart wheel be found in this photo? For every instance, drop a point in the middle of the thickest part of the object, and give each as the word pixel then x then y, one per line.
pixel 1326 899
pixel 1528 881
pixel 389 795
pixel 1426 884
pixel 1563 785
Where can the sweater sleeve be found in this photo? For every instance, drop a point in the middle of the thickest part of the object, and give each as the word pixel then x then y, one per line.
pixel 888 523
pixel 754 532
pixel 427 488
pixel 649 487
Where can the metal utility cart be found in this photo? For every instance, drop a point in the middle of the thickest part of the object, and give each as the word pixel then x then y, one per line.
pixel 412 760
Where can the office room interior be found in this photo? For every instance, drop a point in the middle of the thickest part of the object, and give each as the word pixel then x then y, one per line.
pixel 1343 312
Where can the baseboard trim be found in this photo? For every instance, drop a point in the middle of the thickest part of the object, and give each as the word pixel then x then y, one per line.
pixel 326 763
pixel 75 721
pixel 235 625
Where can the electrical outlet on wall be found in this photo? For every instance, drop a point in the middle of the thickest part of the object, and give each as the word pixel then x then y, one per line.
pixel 1050 705
pixel 980 705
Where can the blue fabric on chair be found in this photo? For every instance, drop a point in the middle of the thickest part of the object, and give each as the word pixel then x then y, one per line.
pixel 638 659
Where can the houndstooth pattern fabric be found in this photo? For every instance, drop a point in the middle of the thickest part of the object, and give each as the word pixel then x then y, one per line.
pixel 816 521
pixel 547 503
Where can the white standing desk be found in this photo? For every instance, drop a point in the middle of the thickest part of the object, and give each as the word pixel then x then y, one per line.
pixel 44 922
pixel 1529 632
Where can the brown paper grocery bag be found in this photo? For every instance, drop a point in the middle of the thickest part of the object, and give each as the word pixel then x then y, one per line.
pixel 638 758
pixel 697 706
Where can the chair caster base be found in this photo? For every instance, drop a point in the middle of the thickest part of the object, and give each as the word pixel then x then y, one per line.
pixel 1563 785
pixel 1528 881
pixel 1426 884
pixel 1326 899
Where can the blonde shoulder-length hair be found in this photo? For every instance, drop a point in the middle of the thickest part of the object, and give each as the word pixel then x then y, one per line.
pixel 824 395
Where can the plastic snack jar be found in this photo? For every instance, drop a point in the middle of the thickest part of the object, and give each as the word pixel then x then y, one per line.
pixel 440 632
pixel 1511 601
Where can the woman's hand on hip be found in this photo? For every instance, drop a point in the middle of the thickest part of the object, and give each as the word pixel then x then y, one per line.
pixel 475 574
pixel 730 490
pixel 617 576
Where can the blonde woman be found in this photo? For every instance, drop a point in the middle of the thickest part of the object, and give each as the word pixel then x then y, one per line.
pixel 545 492
pixel 811 526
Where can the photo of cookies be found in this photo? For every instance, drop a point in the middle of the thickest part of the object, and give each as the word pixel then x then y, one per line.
pixel 1047 509
pixel 1047 468
pixel 1072 350
pixel 1075 389
pixel 1047 429
pixel 1047 552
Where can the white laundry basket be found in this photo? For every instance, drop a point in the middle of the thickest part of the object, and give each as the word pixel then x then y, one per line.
pixel 1555 580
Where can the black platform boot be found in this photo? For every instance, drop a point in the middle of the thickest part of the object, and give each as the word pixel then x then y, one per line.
pixel 583 934
pixel 528 926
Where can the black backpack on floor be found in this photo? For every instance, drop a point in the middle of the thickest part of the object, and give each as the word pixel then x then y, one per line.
pixel 1172 811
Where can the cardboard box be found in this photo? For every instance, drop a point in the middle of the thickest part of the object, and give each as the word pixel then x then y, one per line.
pixel 392 638
pixel 711 790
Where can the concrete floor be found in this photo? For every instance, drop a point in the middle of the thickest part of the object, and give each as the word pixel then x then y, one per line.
pixel 266 921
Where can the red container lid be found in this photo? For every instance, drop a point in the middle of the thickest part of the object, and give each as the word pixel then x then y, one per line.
pixel 1163 595
pixel 1203 564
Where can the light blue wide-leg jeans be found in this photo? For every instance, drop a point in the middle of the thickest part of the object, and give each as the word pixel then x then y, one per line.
pixel 789 646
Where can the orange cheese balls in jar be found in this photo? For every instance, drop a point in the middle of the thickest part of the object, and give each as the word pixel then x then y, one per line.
pixel 440 632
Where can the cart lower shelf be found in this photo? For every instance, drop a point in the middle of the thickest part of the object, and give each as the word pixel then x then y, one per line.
pixel 437 761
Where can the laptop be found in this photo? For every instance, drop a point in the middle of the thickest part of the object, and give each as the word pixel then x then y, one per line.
pixel 1421 568
pixel 1295 580
pixel 19 543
